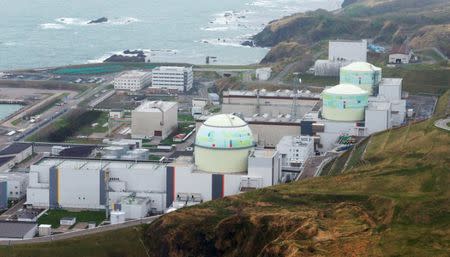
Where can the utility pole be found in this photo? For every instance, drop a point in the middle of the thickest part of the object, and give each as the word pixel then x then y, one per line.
pixel 295 90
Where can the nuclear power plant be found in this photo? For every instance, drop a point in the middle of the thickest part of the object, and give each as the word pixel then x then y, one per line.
pixel 232 152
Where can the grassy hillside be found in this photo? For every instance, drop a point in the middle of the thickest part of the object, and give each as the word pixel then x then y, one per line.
pixel 425 23
pixel 394 200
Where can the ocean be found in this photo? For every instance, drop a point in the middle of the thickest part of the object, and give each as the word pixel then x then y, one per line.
pixel 8 109
pixel 49 33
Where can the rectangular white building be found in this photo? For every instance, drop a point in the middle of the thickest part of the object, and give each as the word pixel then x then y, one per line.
pixel 263 73
pixel 132 80
pixel 154 119
pixel 16 185
pixel 347 50
pixel 172 77
pixel 295 150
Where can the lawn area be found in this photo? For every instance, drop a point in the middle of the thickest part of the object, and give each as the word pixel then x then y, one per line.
pixel 101 120
pixel 118 243
pixel 185 118
pixel 311 80
pixel 52 217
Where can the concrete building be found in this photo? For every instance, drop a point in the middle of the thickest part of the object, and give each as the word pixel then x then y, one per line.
pixel 347 50
pixel 263 73
pixel 16 185
pixel 400 54
pixel 198 106
pixel 378 117
pixel 340 54
pixel 171 77
pixel 273 103
pixel 17 230
pixel 94 183
pixel 295 150
pixel 154 119
pixel 18 151
pixel 132 80
pixel 116 114
pixel 214 98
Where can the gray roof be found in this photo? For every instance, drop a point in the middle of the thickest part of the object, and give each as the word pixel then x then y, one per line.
pixel 15 148
pixel 15 229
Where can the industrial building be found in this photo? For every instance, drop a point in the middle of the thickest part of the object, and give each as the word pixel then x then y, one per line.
pixel 138 188
pixel 273 103
pixel 16 185
pixel 13 154
pixel 347 50
pixel 263 73
pixel 295 150
pixel 340 54
pixel 154 119
pixel 132 80
pixel 17 230
pixel 349 110
pixel 172 77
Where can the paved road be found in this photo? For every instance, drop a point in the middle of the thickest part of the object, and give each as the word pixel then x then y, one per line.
pixel 80 233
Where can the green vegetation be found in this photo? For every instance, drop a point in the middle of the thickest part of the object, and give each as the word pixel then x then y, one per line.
pixel 65 127
pixel 152 157
pixel 100 120
pixel 117 243
pixel 185 117
pixel 52 217
pixel 311 80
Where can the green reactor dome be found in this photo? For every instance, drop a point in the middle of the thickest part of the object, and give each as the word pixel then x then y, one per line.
pixel 344 102
pixel 222 144
pixel 361 74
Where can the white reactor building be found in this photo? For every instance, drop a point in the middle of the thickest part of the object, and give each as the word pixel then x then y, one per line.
pixel 222 144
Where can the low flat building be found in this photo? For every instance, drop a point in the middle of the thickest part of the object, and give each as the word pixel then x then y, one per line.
pixel 18 151
pixel 132 80
pixel 263 73
pixel 172 77
pixel 154 119
pixel 273 103
pixel 400 54
pixel 17 230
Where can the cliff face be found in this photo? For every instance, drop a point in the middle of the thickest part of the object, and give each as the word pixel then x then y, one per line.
pixel 385 21
pixel 393 201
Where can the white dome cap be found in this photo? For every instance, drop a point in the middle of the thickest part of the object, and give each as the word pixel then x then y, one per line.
pixel 361 66
pixel 224 120
pixel 345 89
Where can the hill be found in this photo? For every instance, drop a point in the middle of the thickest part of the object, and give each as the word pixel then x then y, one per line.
pixel 394 200
pixel 423 23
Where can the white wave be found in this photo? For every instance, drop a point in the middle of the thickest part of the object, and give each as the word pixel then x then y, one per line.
pixel 223 42
pixel 83 22
pixel 52 26
pixel 72 21
pixel 222 28
pixel 122 20
pixel 9 43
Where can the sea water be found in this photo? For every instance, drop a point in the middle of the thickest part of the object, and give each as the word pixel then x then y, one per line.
pixel 8 109
pixel 53 32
